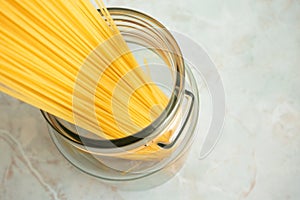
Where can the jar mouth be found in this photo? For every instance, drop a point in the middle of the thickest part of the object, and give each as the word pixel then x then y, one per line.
pixel 124 15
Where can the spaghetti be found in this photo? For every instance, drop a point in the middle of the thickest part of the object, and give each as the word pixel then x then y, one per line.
pixel 67 59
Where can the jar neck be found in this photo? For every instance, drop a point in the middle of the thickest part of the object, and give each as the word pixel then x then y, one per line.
pixel 143 30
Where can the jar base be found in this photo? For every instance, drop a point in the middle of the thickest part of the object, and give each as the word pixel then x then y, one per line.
pixel 88 164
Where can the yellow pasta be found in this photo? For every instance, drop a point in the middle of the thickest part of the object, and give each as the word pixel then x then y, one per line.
pixel 65 58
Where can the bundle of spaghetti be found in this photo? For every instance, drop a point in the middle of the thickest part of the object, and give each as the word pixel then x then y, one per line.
pixel 67 59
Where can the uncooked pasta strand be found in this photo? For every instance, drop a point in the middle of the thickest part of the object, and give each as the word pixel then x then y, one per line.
pixel 69 60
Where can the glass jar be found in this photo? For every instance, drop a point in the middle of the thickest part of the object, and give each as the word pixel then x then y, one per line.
pixel 117 161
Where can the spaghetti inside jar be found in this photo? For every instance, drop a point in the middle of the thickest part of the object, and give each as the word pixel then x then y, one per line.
pixel 156 150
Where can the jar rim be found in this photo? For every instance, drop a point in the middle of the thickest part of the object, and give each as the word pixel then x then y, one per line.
pixel 151 129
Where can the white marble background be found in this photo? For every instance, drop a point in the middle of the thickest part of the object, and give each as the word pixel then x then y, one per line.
pixel 256 47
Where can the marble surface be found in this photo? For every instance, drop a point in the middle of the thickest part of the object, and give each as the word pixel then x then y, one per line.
pixel 256 47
